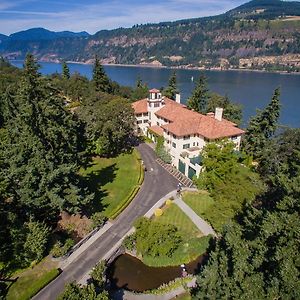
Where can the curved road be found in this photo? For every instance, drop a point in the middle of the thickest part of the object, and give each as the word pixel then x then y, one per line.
pixel 158 182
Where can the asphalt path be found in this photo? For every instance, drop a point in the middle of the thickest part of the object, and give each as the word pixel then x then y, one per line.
pixel 157 183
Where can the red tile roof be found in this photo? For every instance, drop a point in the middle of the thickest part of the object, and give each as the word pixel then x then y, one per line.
pixel 154 91
pixel 157 129
pixel 187 122
pixel 140 106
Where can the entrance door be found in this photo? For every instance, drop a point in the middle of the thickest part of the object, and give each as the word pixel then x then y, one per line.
pixel 192 173
pixel 181 167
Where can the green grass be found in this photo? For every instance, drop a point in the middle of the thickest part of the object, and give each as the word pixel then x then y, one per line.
pixel 206 207
pixel 193 243
pixel 112 180
pixel 172 214
pixel 29 285
pixel 185 296
pixel 200 202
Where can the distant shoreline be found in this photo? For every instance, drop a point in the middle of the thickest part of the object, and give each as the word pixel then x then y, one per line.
pixel 173 68
pixel 188 68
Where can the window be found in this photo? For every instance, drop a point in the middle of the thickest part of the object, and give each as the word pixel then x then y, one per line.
pixel 156 105
pixel 173 145
pixel 174 136
pixel 186 137
pixel 139 121
pixel 194 144
pixel 157 123
pixel 186 146
pixel 139 115
pixel 145 114
pixel 145 121
pixel 234 138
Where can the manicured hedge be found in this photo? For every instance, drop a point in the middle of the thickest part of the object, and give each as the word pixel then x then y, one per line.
pixel 142 175
pixel 132 194
pixel 124 204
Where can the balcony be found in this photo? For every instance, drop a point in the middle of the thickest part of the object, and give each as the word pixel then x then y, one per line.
pixel 193 154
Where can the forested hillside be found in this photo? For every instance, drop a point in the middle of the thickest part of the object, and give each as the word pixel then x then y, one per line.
pixel 258 29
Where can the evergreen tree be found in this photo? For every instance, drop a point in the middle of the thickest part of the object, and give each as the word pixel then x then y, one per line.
pixel 65 71
pixel 262 127
pixel 42 149
pixel 258 258
pixel 36 240
pixel 232 111
pixel 200 96
pixel 171 90
pixel 141 90
pixel 100 79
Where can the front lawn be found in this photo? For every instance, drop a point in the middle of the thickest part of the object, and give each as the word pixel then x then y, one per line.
pixel 112 180
pixel 172 214
pixel 193 243
pixel 207 208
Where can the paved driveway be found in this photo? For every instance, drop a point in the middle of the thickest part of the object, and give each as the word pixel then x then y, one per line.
pixel 158 182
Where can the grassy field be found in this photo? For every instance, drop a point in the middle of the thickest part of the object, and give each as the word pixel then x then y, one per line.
pixel 31 280
pixel 111 179
pixel 205 207
pixel 174 215
pixel 200 202
pixel 193 243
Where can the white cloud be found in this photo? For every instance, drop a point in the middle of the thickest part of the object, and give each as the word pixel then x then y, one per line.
pixel 113 14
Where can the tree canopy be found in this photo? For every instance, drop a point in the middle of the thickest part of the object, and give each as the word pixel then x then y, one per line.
pixel 110 123
pixel 200 96
pixel 155 239
pixel 65 71
pixel 257 258
pixel 100 79
pixel 262 127
pixel 171 90
pixel 231 112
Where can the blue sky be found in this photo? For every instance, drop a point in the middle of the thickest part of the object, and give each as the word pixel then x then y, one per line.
pixel 92 15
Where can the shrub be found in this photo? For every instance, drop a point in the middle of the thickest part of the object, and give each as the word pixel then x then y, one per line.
pixel 154 239
pixel 98 274
pixel 98 220
pixel 169 202
pixel 59 249
pixel 130 242
pixel 158 212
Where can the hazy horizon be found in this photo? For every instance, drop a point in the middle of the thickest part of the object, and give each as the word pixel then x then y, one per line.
pixel 93 15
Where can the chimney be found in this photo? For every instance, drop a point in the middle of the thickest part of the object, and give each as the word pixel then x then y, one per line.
pixel 219 113
pixel 177 98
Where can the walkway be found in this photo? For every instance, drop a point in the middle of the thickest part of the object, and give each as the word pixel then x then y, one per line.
pixel 202 225
pixel 126 295
pixel 158 182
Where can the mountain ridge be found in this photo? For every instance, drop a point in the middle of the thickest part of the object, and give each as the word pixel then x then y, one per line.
pixel 256 29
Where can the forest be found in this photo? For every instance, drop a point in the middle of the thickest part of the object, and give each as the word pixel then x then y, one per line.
pixel 53 128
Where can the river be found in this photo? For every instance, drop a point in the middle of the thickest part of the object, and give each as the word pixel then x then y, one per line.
pixel 251 89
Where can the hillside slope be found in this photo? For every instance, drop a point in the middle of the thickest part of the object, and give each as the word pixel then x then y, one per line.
pixel 258 34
